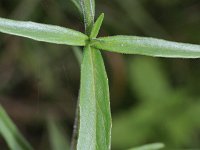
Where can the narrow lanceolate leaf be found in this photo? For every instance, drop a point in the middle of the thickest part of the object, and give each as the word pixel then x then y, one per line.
pixel 97 26
pixel 88 10
pixel 11 134
pixel 42 32
pixel 154 146
pixel 95 117
pixel 147 46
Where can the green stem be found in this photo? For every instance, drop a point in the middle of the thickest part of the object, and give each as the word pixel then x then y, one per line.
pixel 76 127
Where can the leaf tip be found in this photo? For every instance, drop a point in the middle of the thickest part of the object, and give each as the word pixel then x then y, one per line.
pixel 102 16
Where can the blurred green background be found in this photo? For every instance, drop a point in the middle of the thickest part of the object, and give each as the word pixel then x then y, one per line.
pixel 152 99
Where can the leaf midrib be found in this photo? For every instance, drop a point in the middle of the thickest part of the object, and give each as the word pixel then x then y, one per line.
pixel 93 87
pixel 92 50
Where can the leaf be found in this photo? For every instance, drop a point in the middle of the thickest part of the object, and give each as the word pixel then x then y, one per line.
pixel 97 26
pixel 88 10
pixel 147 46
pixel 57 139
pixel 155 146
pixel 42 32
pixel 11 134
pixel 95 117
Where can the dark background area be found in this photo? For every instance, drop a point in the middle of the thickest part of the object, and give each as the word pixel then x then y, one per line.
pixel 152 99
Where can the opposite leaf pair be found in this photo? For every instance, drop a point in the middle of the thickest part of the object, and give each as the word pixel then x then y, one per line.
pixel 95 115
pixel 119 44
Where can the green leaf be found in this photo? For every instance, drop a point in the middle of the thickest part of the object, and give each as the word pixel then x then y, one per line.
pixel 95 117
pixel 57 139
pixel 155 146
pixel 97 26
pixel 88 10
pixel 11 134
pixel 42 32
pixel 147 46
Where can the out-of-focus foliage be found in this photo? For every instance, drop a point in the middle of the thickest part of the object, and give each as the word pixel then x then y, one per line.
pixel 57 137
pixel 152 99
pixel 11 134
pixel 162 113
pixel 154 146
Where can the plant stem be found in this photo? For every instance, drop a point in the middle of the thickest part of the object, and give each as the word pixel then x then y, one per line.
pixel 76 127
pixel 78 55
